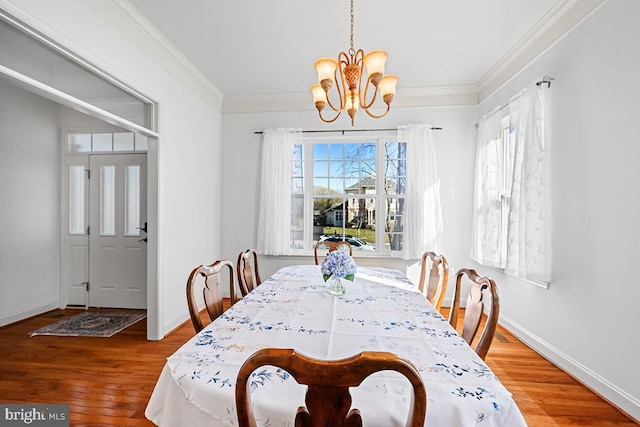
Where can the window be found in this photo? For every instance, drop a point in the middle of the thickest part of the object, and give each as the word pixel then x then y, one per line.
pixel 304 188
pixel 108 200
pixel 106 142
pixel 132 200
pixel 340 188
pixel 77 194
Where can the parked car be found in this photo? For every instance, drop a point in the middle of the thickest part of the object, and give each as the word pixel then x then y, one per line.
pixel 355 242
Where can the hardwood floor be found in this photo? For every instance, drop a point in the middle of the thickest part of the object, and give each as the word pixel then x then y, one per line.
pixel 108 381
pixel 546 395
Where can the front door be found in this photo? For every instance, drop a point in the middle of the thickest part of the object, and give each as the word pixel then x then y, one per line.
pixel 117 231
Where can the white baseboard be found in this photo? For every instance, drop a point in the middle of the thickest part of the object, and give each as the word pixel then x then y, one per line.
pixel 616 396
pixel 34 311
pixel 175 323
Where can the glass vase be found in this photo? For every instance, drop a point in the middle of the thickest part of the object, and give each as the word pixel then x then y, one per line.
pixel 336 287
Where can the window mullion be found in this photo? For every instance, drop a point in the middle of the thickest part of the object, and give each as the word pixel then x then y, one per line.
pixel 380 195
pixel 308 195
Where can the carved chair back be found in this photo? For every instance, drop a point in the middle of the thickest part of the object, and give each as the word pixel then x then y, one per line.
pixel 328 400
pixel 474 309
pixel 247 270
pixel 211 290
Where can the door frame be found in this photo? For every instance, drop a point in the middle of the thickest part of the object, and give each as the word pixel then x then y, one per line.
pixel 154 307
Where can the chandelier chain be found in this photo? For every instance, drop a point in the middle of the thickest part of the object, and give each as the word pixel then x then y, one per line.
pixel 351 39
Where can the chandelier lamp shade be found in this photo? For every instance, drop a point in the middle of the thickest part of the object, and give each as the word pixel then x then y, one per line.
pixel 359 79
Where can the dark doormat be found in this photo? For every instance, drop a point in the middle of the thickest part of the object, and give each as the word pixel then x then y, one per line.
pixel 93 324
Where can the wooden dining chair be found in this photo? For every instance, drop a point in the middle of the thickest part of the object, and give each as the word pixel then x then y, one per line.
pixel 474 309
pixel 247 270
pixel 434 276
pixel 319 247
pixel 328 400
pixel 211 291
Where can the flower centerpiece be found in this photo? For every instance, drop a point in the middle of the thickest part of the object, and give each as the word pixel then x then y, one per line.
pixel 338 265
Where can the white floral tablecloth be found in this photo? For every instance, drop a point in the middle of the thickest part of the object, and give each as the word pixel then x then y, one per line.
pixel 381 310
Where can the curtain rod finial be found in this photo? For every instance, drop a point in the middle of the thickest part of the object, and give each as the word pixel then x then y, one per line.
pixel 546 79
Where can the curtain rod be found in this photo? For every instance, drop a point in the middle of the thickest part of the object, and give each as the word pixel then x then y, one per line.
pixel 546 79
pixel 348 130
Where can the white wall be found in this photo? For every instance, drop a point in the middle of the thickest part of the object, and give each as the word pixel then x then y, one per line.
pixel 29 204
pixel 587 320
pixel 241 170
pixel 187 159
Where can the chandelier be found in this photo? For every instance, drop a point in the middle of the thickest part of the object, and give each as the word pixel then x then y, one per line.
pixel 348 72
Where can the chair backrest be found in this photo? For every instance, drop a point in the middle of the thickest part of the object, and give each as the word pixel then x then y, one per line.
pixel 211 291
pixel 330 247
pixel 247 269
pixel 434 277
pixel 475 308
pixel 328 399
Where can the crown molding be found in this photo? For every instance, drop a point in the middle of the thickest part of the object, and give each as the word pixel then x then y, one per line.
pixel 302 101
pixel 267 102
pixel 565 15
pixel 152 42
pixel 440 96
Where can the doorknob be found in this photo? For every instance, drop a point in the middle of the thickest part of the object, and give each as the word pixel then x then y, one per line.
pixel 143 228
pixel 143 240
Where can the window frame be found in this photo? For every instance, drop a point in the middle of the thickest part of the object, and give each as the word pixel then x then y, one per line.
pixel 139 142
pixel 506 180
pixel 379 197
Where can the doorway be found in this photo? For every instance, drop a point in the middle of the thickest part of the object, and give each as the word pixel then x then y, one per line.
pixel 73 82
pixel 106 249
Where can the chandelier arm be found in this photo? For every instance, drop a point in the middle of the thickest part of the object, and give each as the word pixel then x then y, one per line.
pixel 378 116
pixel 344 58
pixel 363 102
pixel 358 59
pixel 331 120
pixel 339 85
pixel 331 105
pixel 366 82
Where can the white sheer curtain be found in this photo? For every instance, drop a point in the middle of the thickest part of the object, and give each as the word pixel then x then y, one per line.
pixel 486 244
pixel 423 212
pixel 511 221
pixel 274 218
pixel 528 243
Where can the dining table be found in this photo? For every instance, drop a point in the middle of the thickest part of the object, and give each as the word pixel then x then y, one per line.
pixel 381 310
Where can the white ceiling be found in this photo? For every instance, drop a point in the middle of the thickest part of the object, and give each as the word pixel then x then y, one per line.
pixel 258 47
